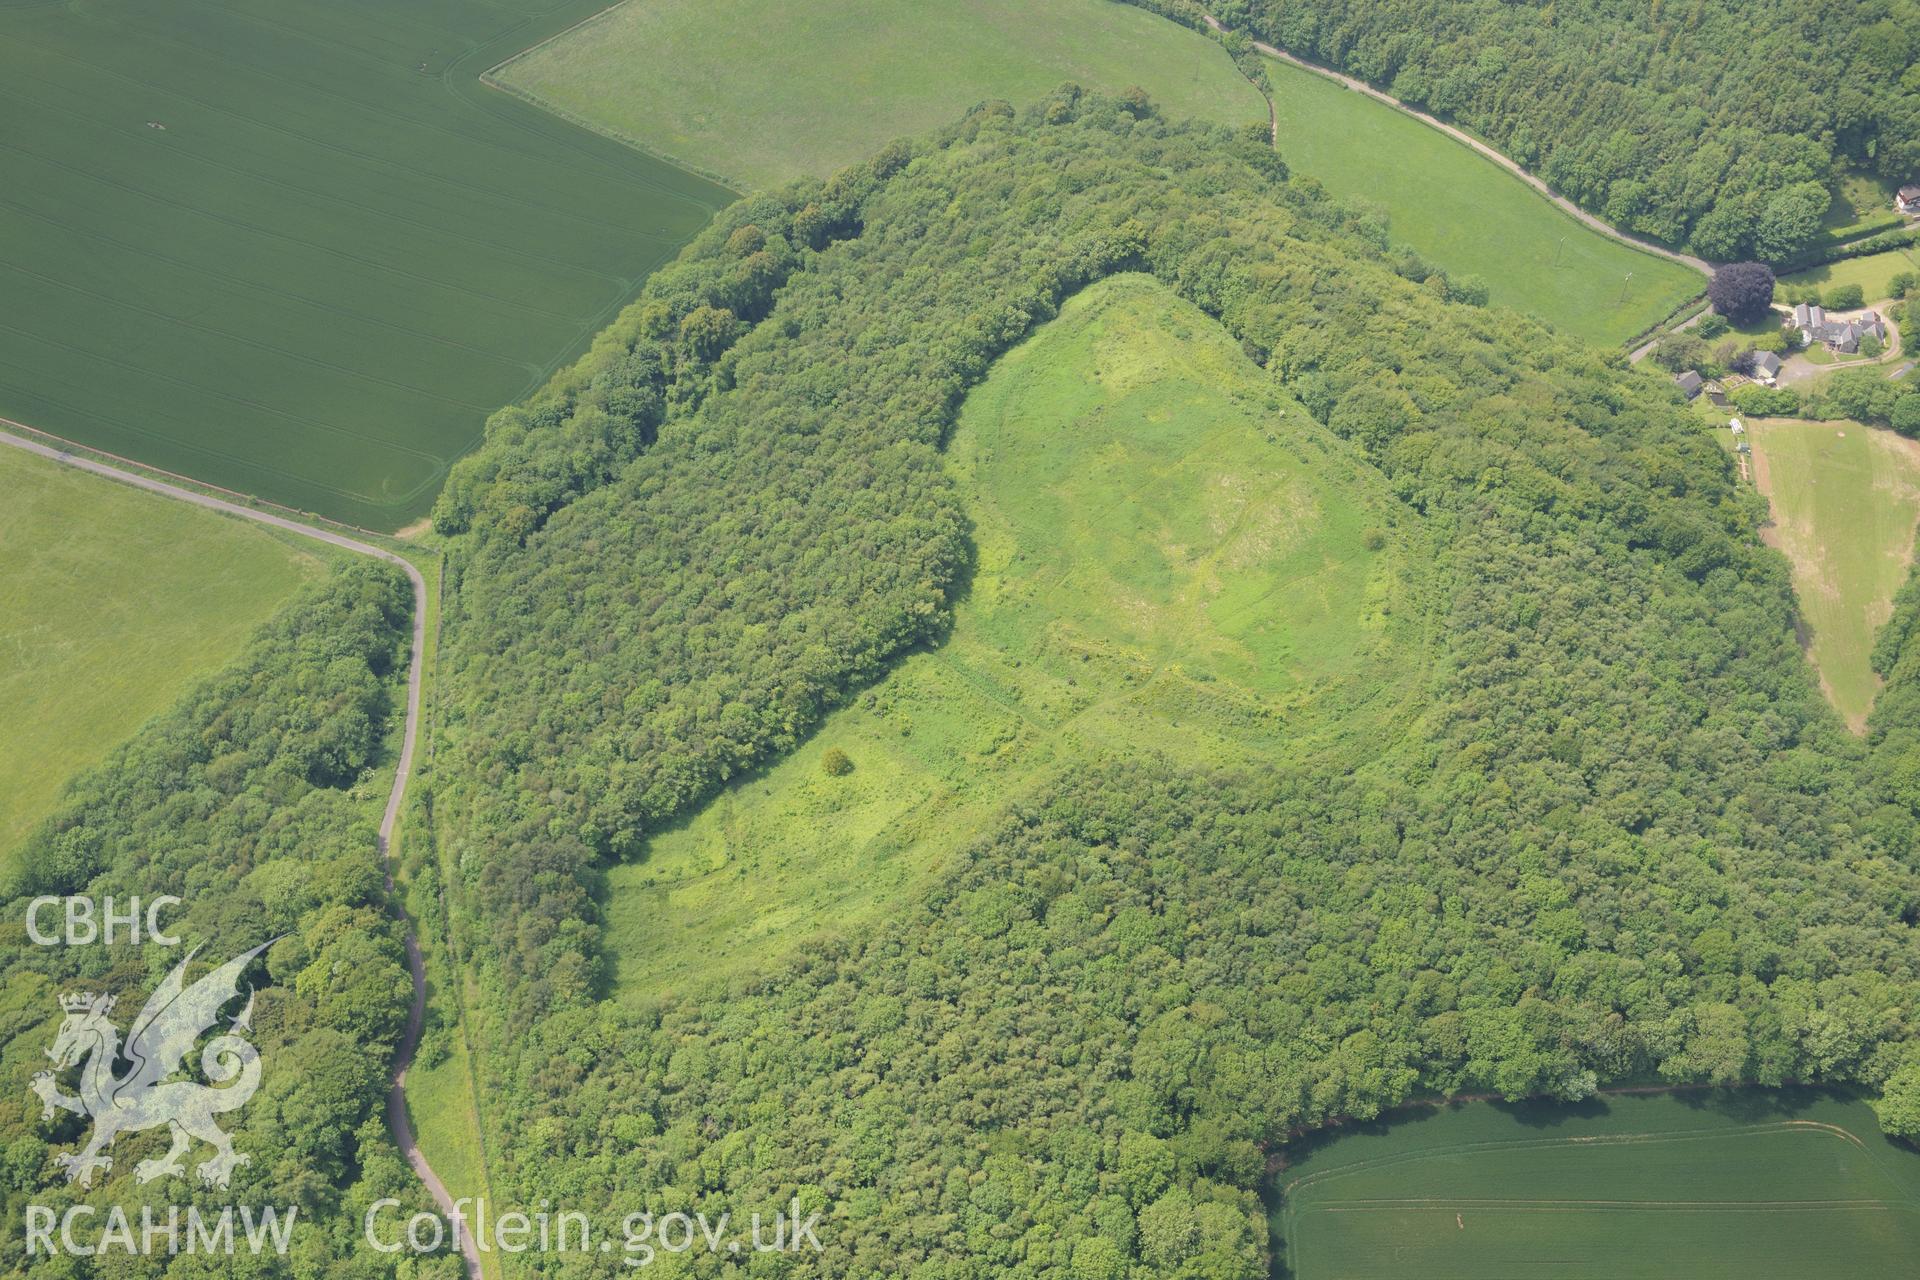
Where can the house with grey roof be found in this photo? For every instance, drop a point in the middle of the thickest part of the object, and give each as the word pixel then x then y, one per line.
pixel 1689 383
pixel 1766 366
pixel 1839 334
pixel 1806 318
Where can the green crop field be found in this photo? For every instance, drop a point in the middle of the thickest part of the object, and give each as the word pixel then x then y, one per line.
pixel 1872 272
pixel 298 249
pixel 764 91
pixel 1171 557
pixel 112 601
pixel 1465 214
pixel 1752 1183
pixel 1846 499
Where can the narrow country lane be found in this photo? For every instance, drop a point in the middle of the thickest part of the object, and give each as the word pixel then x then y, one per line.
pixel 397 1120
pixel 1498 157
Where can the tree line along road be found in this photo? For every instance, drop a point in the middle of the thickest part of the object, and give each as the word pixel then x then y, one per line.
pixel 1498 157
pixel 397 1119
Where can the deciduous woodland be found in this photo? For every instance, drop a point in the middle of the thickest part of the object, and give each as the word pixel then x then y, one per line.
pixel 1621 837
pixel 1611 831
pixel 1715 126
pixel 254 802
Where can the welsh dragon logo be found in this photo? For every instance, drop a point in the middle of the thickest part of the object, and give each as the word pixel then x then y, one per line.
pixel 170 1023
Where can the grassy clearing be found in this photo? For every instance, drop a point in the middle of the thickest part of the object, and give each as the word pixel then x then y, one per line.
pixel 1846 499
pixel 764 91
pixel 112 601
pixel 1873 273
pixel 1463 212
pixel 1172 557
pixel 296 249
pixel 1862 201
pixel 1623 1188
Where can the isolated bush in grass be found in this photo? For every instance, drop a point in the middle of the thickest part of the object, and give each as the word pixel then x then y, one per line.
pixel 1843 296
pixel 1742 291
pixel 835 763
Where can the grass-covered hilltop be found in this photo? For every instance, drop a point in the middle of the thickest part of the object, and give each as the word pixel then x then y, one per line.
pixel 1102 640
pixel 1174 882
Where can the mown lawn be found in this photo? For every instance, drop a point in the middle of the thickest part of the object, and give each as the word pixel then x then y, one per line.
pixel 1872 272
pixel 112 601
pixel 764 91
pixel 1172 557
pixel 1465 214
pixel 1750 1183
pixel 298 249
pixel 1846 500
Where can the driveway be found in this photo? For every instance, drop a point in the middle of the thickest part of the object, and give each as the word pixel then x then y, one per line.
pixel 1797 369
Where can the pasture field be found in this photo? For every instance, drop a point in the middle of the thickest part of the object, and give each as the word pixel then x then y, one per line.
pixel 1872 272
pixel 1846 500
pixel 765 91
pixel 1624 1187
pixel 299 250
pixel 1172 557
pixel 112 602
pixel 1462 212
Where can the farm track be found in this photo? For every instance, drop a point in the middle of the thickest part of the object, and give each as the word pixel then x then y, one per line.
pixel 397 1119
pixel 1462 136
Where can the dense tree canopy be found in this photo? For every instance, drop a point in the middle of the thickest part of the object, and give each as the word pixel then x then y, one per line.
pixel 1625 836
pixel 1713 125
pixel 256 802
pixel 1619 834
